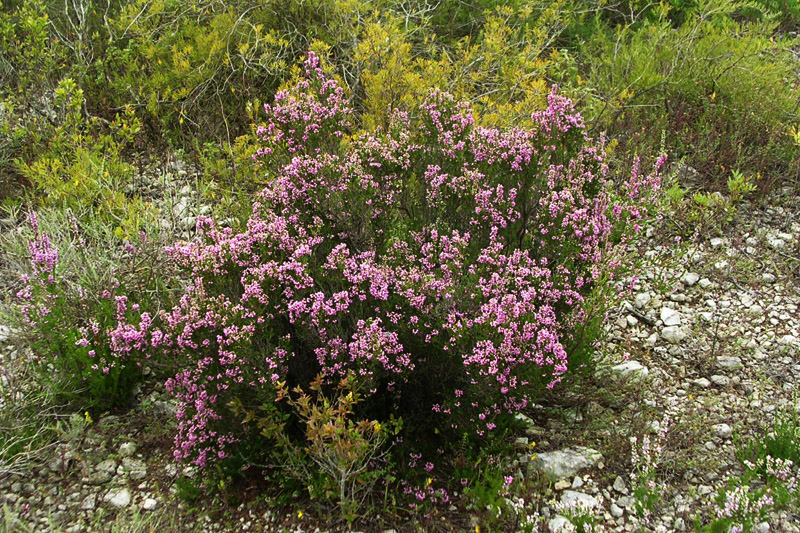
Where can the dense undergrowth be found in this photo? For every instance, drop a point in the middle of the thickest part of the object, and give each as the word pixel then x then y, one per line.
pixel 416 236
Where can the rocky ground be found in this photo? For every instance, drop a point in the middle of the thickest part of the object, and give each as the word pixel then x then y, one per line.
pixel 710 342
pixel 700 357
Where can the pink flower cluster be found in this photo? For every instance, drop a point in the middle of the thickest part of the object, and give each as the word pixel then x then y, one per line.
pixel 432 248
pixel 86 333
pixel 38 295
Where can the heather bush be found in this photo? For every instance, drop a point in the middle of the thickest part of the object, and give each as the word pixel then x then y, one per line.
pixel 74 313
pixel 445 266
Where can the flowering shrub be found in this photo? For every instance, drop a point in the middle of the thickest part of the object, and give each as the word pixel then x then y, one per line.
pixel 740 508
pixel 446 266
pixel 80 326
pixel 646 457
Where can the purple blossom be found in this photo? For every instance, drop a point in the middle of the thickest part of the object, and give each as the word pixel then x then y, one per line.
pixel 373 254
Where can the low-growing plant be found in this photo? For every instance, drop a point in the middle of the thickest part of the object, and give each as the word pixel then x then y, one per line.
pixel 340 462
pixel 740 185
pixel 769 482
pixel 582 517
pixel 26 410
pixel 781 443
pixel 740 507
pixel 74 315
pixel 647 455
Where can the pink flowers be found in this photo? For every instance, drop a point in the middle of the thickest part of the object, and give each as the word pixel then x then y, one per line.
pixel 444 265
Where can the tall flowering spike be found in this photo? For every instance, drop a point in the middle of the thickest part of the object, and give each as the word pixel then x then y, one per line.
pixel 302 119
pixel 559 115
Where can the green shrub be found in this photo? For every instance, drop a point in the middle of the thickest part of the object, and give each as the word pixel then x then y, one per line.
pixel 782 442
pixel 722 90
pixel 80 163
pixel 73 306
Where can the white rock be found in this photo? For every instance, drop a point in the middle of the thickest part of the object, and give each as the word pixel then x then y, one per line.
pixel 706 316
pixel 149 504
pixel 136 469
pixel 616 511
pixel 716 242
pixel 619 485
pixel 670 317
pixel 631 369
pixel 188 223
pixel 559 524
pixel 651 340
pixel 763 527
pixel 127 449
pixel 690 278
pixel 575 499
pixel 673 334
pixel 642 299
pixel 705 283
pixel 777 244
pixel 118 498
pixel 703 383
pixel 181 208
pixel 722 431
pixel 789 340
pixel 768 278
pixel 565 463
pixel 5 333
pixel 88 503
pixel 109 466
pixel 729 362
pixel 720 381
pixel 626 502
pixel 61 462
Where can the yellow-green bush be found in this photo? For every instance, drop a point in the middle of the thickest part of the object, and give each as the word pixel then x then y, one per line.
pixel 191 65
pixel 29 64
pixel 80 163
pixel 502 70
pixel 722 90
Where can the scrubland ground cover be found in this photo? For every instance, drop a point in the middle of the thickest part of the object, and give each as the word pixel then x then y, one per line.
pixel 399 265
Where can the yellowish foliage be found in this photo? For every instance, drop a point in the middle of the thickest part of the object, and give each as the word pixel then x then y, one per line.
pixel 502 73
